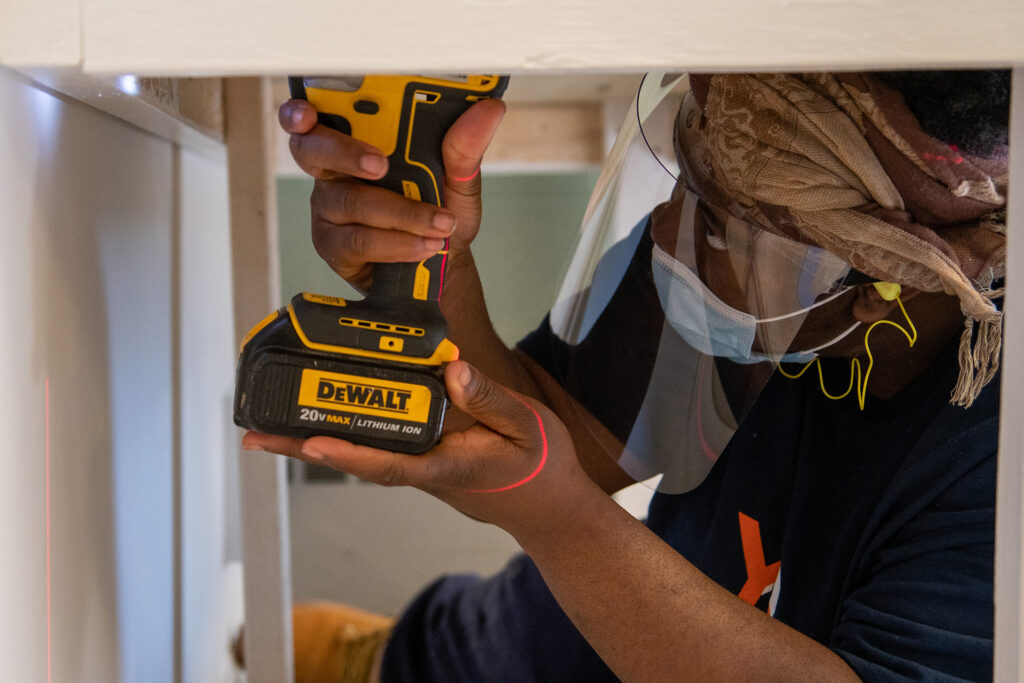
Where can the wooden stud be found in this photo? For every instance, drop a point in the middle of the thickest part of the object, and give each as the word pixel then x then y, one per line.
pixel 264 494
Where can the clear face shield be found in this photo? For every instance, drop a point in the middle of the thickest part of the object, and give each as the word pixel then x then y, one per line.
pixel 675 311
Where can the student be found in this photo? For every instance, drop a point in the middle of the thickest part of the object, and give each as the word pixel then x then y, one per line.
pixel 823 233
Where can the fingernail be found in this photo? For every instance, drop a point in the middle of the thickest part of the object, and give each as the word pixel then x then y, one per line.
pixel 297 116
pixel 444 222
pixel 313 453
pixel 465 376
pixel 249 446
pixel 373 164
pixel 433 244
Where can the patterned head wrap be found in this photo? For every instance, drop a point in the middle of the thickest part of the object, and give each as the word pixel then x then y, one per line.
pixel 840 161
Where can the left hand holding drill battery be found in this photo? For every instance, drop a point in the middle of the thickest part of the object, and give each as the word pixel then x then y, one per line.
pixel 516 467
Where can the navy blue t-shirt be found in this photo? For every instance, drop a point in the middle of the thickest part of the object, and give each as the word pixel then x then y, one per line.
pixel 870 531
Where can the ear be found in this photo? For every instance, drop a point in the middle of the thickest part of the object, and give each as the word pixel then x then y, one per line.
pixel 869 304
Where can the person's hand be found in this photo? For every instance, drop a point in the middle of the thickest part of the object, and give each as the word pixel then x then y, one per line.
pixel 515 467
pixel 355 224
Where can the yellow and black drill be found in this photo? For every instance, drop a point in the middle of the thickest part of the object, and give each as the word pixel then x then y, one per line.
pixel 368 371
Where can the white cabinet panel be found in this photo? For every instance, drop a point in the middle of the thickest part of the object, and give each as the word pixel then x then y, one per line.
pixel 86 216
pixel 211 590
pixel 116 363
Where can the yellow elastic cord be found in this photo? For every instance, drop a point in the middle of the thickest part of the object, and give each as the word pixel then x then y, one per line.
pixel 856 379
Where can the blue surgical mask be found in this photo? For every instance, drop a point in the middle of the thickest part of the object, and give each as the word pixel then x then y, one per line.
pixel 713 327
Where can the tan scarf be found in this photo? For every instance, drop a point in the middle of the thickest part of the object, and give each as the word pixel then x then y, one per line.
pixel 839 160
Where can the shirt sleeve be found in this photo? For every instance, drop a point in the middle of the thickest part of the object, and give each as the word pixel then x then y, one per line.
pixel 926 613
pixel 467 629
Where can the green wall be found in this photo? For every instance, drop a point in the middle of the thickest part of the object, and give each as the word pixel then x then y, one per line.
pixel 530 226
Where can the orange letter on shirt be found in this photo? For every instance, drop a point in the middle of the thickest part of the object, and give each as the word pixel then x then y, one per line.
pixel 760 577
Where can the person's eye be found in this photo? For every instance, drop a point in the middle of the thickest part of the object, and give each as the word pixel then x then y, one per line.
pixel 714 233
pixel 713 240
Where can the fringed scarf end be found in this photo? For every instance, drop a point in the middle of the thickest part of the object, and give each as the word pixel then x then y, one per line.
pixel 979 357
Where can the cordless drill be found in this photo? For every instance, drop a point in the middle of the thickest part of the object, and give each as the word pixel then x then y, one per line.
pixel 368 371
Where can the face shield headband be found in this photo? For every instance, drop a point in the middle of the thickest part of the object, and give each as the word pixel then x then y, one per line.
pixel 674 312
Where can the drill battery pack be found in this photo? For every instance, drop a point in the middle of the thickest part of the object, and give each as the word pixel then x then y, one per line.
pixel 323 365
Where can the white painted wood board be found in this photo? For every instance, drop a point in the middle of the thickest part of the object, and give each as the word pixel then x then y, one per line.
pixel 184 111
pixel 269 37
pixel 210 576
pixel 40 33
pixel 1009 586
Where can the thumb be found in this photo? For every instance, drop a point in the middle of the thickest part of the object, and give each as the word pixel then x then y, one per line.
pixel 491 404
pixel 296 116
pixel 463 150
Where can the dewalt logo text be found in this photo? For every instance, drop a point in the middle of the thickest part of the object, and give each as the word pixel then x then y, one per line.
pixel 363 395
pixel 381 398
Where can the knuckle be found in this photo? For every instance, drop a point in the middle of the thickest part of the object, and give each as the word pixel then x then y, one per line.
pixel 321 241
pixel 418 212
pixel 527 423
pixel 390 474
pixel 458 154
pixel 467 475
pixel 348 203
pixel 485 395
pixel 354 241
pixel 298 145
pixel 318 197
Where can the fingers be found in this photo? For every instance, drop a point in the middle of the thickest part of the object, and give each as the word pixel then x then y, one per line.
pixel 370 464
pixel 283 445
pixel 350 250
pixel 331 154
pixel 381 467
pixel 355 225
pixel 325 153
pixel 348 202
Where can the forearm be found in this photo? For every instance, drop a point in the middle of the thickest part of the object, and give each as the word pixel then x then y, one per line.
pixel 470 327
pixel 651 615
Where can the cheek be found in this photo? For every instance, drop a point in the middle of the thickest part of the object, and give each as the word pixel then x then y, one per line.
pixel 716 270
pixel 826 323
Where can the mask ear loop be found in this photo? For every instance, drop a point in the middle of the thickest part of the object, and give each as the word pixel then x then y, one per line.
pixel 889 291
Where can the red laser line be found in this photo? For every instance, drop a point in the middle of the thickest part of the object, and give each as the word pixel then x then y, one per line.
pixel 49 631
pixel 938 157
pixel 444 261
pixel 466 179
pixel 540 466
